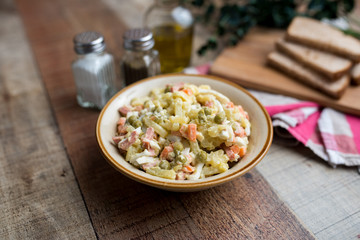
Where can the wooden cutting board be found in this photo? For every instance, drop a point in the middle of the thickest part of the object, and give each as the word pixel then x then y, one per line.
pixel 245 64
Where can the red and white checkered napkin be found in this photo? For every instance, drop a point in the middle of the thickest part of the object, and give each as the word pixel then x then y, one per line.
pixel 332 135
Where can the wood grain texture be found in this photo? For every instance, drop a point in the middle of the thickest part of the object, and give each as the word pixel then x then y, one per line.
pixel 39 196
pixel 119 207
pixel 246 65
pixel 326 199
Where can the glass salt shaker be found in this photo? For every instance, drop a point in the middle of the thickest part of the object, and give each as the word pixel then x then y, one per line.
pixel 93 70
pixel 140 60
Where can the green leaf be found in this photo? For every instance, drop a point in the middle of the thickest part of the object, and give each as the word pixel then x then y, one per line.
pixel 236 18
pixel 352 33
pixel 233 40
pixel 212 43
pixel 197 3
pixel 209 12
pixel 202 50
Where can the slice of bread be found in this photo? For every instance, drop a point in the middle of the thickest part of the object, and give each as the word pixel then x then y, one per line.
pixel 328 64
pixel 315 34
pixel 355 74
pixel 308 76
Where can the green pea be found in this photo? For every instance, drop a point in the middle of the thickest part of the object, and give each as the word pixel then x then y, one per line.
pixel 137 124
pixel 207 111
pixel 219 118
pixel 164 165
pixel 201 116
pixel 181 159
pixel 178 146
pixel 201 156
pixel 132 119
pixel 167 89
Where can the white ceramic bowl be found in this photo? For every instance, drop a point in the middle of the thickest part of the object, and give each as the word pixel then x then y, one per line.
pixel 259 141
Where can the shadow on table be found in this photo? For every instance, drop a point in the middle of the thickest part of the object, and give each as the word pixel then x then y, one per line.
pixel 119 206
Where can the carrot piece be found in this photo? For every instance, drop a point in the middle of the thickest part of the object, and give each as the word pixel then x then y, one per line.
pixel 241 110
pixel 188 91
pixel 240 132
pixel 192 132
pixel 235 149
pixel 165 153
pixel 183 130
pixel 242 151
pixel 189 168
pixel 230 154
pixel 230 105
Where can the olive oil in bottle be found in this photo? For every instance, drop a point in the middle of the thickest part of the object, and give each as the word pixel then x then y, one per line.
pixel 172 26
pixel 174 45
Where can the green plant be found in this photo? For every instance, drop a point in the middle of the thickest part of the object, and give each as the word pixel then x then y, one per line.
pixel 231 20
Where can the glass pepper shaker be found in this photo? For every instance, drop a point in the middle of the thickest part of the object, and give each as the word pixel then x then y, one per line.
pixel 140 60
pixel 93 70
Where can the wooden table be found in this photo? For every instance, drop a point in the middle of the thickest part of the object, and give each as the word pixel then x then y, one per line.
pixel 54 183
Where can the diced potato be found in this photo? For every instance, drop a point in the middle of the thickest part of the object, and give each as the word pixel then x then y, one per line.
pixel 219 96
pixel 203 98
pixel 157 91
pixel 139 101
pixel 218 160
pixel 179 119
pixel 157 171
pixel 175 127
pixel 204 87
pixel 157 128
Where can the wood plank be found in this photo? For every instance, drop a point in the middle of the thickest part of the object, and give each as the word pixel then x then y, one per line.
pixel 39 196
pixel 118 206
pixel 245 64
pixel 325 199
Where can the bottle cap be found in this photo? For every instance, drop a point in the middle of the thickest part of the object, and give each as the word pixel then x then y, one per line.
pixel 138 39
pixel 89 42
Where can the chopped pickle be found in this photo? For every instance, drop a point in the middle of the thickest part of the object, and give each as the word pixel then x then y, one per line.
pixel 181 159
pixel 132 119
pixel 164 164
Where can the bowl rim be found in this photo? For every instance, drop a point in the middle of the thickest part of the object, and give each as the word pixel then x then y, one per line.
pixel 183 184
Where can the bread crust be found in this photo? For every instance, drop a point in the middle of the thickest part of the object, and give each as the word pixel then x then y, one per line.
pixel 307 76
pixel 315 34
pixel 355 74
pixel 330 65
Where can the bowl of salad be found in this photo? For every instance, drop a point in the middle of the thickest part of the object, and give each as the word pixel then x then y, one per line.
pixel 183 132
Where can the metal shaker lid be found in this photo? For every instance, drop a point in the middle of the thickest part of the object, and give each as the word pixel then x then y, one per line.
pixel 138 39
pixel 89 42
